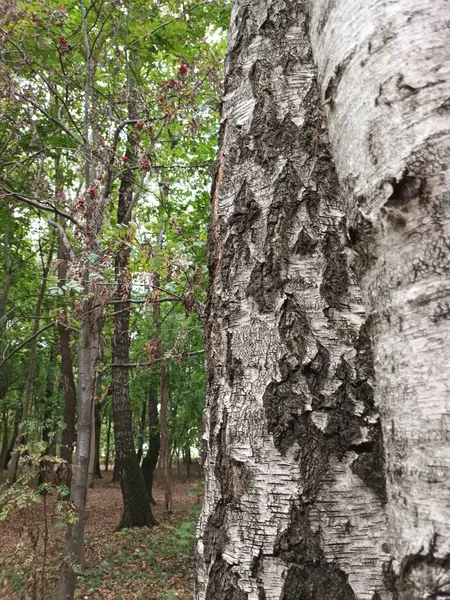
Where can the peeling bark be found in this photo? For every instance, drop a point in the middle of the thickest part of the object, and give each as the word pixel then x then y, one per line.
pixel 384 72
pixel 295 492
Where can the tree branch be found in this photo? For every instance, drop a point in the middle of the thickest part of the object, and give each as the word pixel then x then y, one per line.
pixel 157 360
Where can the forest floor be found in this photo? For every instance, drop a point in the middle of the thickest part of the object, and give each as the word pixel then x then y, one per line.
pixel 138 564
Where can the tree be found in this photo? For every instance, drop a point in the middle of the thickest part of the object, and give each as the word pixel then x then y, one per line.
pixel 136 503
pixel 295 490
pixel 385 82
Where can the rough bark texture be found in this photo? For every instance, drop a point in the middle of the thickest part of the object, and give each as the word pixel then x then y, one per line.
pixel 136 504
pixel 294 502
pixel 385 76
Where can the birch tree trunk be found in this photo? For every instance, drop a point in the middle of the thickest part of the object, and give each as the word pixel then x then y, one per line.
pixel 385 76
pixel 295 492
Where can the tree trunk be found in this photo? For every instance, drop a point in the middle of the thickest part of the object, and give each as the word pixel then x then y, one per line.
pixel 116 470
pixel 164 449
pixel 165 442
pixel 188 460
pixel 91 467
pixel 154 441
pixel 15 433
pixel 5 440
pixel 46 467
pixel 142 431
pixel 98 436
pixel 49 425
pixel 136 503
pixel 108 441
pixel 295 492
pixel 87 357
pixel 384 75
pixel 14 462
pixel 88 353
pixel 70 392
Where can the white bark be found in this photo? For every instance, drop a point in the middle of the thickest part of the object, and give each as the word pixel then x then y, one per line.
pixel 294 486
pixel 385 77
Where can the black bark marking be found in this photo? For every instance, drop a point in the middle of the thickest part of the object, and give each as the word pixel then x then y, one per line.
pixel 335 283
pixel 245 214
pixel 223 583
pixel 335 79
pixel 424 575
pixel 215 537
pixel 403 191
pixel 268 278
pixel 369 467
pixel 305 244
pixel 310 576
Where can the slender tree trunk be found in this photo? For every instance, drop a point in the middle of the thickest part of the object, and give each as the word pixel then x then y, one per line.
pixel 108 441
pixel 384 75
pixel 14 462
pixel 142 431
pixel 164 449
pixel 136 503
pixel 295 492
pixel 70 392
pixel 88 353
pixel 188 460
pixel 98 436
pixel 48 428
pixel 7 273
pixel 154 441
pixel 5 440
pixel 15 433
pixel 7 278
pixel 116 470
pixel 48 406
pixel 91 467
pixel 165 441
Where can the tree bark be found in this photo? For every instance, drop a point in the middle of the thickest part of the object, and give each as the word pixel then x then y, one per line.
pixel 154 441
pixel 136 503
pixel 295 491
pixel 384 75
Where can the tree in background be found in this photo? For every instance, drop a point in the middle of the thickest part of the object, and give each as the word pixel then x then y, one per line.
pixel 72 155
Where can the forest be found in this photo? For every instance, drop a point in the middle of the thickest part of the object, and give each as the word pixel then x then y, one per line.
pixel 225 299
